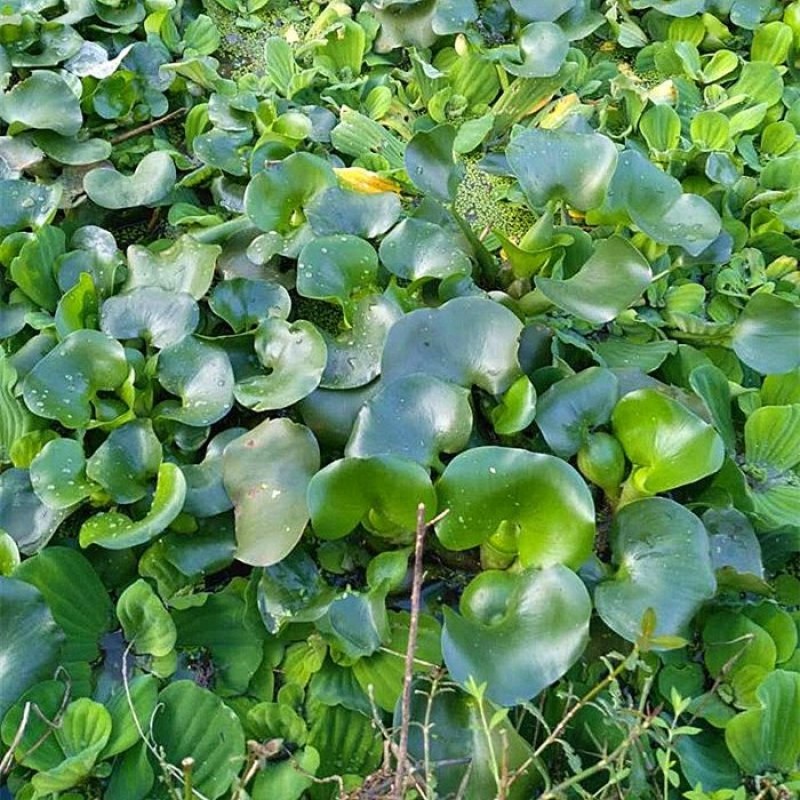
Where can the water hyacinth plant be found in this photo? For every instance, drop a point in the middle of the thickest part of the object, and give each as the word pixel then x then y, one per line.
pixel 399 399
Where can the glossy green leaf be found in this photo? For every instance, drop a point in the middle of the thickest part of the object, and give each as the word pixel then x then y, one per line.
pixel 28 521
pixel 9 555
pixel 77 599
pixel 543 496
pixel 667 444
pixel 468 340
pixel 611 280
pixel 33 269
pixel 334 268
pixel 543 47
pixel 15 419
pixel 64 383
pixel 733 642
pixel 561 165
pixel 146 623
pixel 663 562
pixel 765 335
pixel 31 640
pixel 356 623
pixel 294 354
pixel 126 461
pixel 382 493
pixel 201 374
pixel 430 162
pixel 205 493
pixel 767 738
pixel 416 249
pixel 711 385
pixel 661 127
pixel 339 210
pixel 43 101
pixel 185 266
pixel 193 722
pixel 24 204
pixel 116 531
pixel 517 633
pixel 244 302
pixel 266 474
pixel 572 407
pixel 142 691
pixel 416 417
pixel 159 317
pixel 517 408
pixel 152 180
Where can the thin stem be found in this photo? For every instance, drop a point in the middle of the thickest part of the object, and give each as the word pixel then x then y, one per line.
pixel 148 126
pixel 187 765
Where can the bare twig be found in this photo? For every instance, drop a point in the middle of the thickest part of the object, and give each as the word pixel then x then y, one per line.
pixel 134 132
pixel 8 758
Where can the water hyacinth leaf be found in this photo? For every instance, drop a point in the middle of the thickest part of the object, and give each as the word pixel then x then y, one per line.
pixel 356 623
pixel 382 493
pixel 162 318
pixel 194 722
pixel 28 521
pixel 146 623
pixel 126 461
pixel 416 249
pixel 78 308
pixel 416 417
pixel 142 691
pixel 354 356
pixel 341 210
pixel 710 384
pixel 663 561
pixel 58 474
pixel 735 549
pixel 33 267
pixel 613 278
pixel 656 204
pixel 772 453
pixel 517 408
pixel 44 101
pixel 517 633
pixel 266 473
pixel 382 673
pixel 667 444
pixel 572 407
pixel 561 165
pixel 334 268
pixel 218 626
pixel 152 180
pixel 765 335
pixel 185 266
pixel 116 531
pixel 430 162
pixel 200 373
pixel 31 640
pixel 72 151
pixel 661 127
pixel 543 47
pixel 275 195
pixel 15 419
pixel 542 10
pixel 767 738
pixel 331 413
pixel 468 341
pixel 484 488
pixel 64 383
pixel 83 733
pixel 9 554
pixel 244 302
pixel 205 493
pixel 25 204
pixel 295 355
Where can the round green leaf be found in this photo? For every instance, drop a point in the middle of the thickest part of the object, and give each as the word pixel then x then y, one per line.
pixel 668 445
pixel 24 204
pixel 193 722
pixel 550 165
pixel 146 623
pixel 416 249
pixel 430 162
pixel 416 417
pixel 543 496
pixel 611 280
pixel 200 373
pixel 9 554
pixel 152 181
pixel 205 494
pixel 31 640
pixel 159 317
pixel 64 383
pixel 338 210
pixel 543 47
pixel 517 408
pixel 124 464
pixel 468 341
pixel 381 492
pixel 70 150
pixel 295 355
pixel 572 407
pixel 661 127
pixel 335 268
pixel 517 633
pixel 58 474
pixel 28 521
pixel 116 531
pixel 765 335
pixel 44 101
pixel 266 474
pixel 244 302
pixel 663 563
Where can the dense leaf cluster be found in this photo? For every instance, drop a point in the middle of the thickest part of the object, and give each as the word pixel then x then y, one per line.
pixel 274 274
